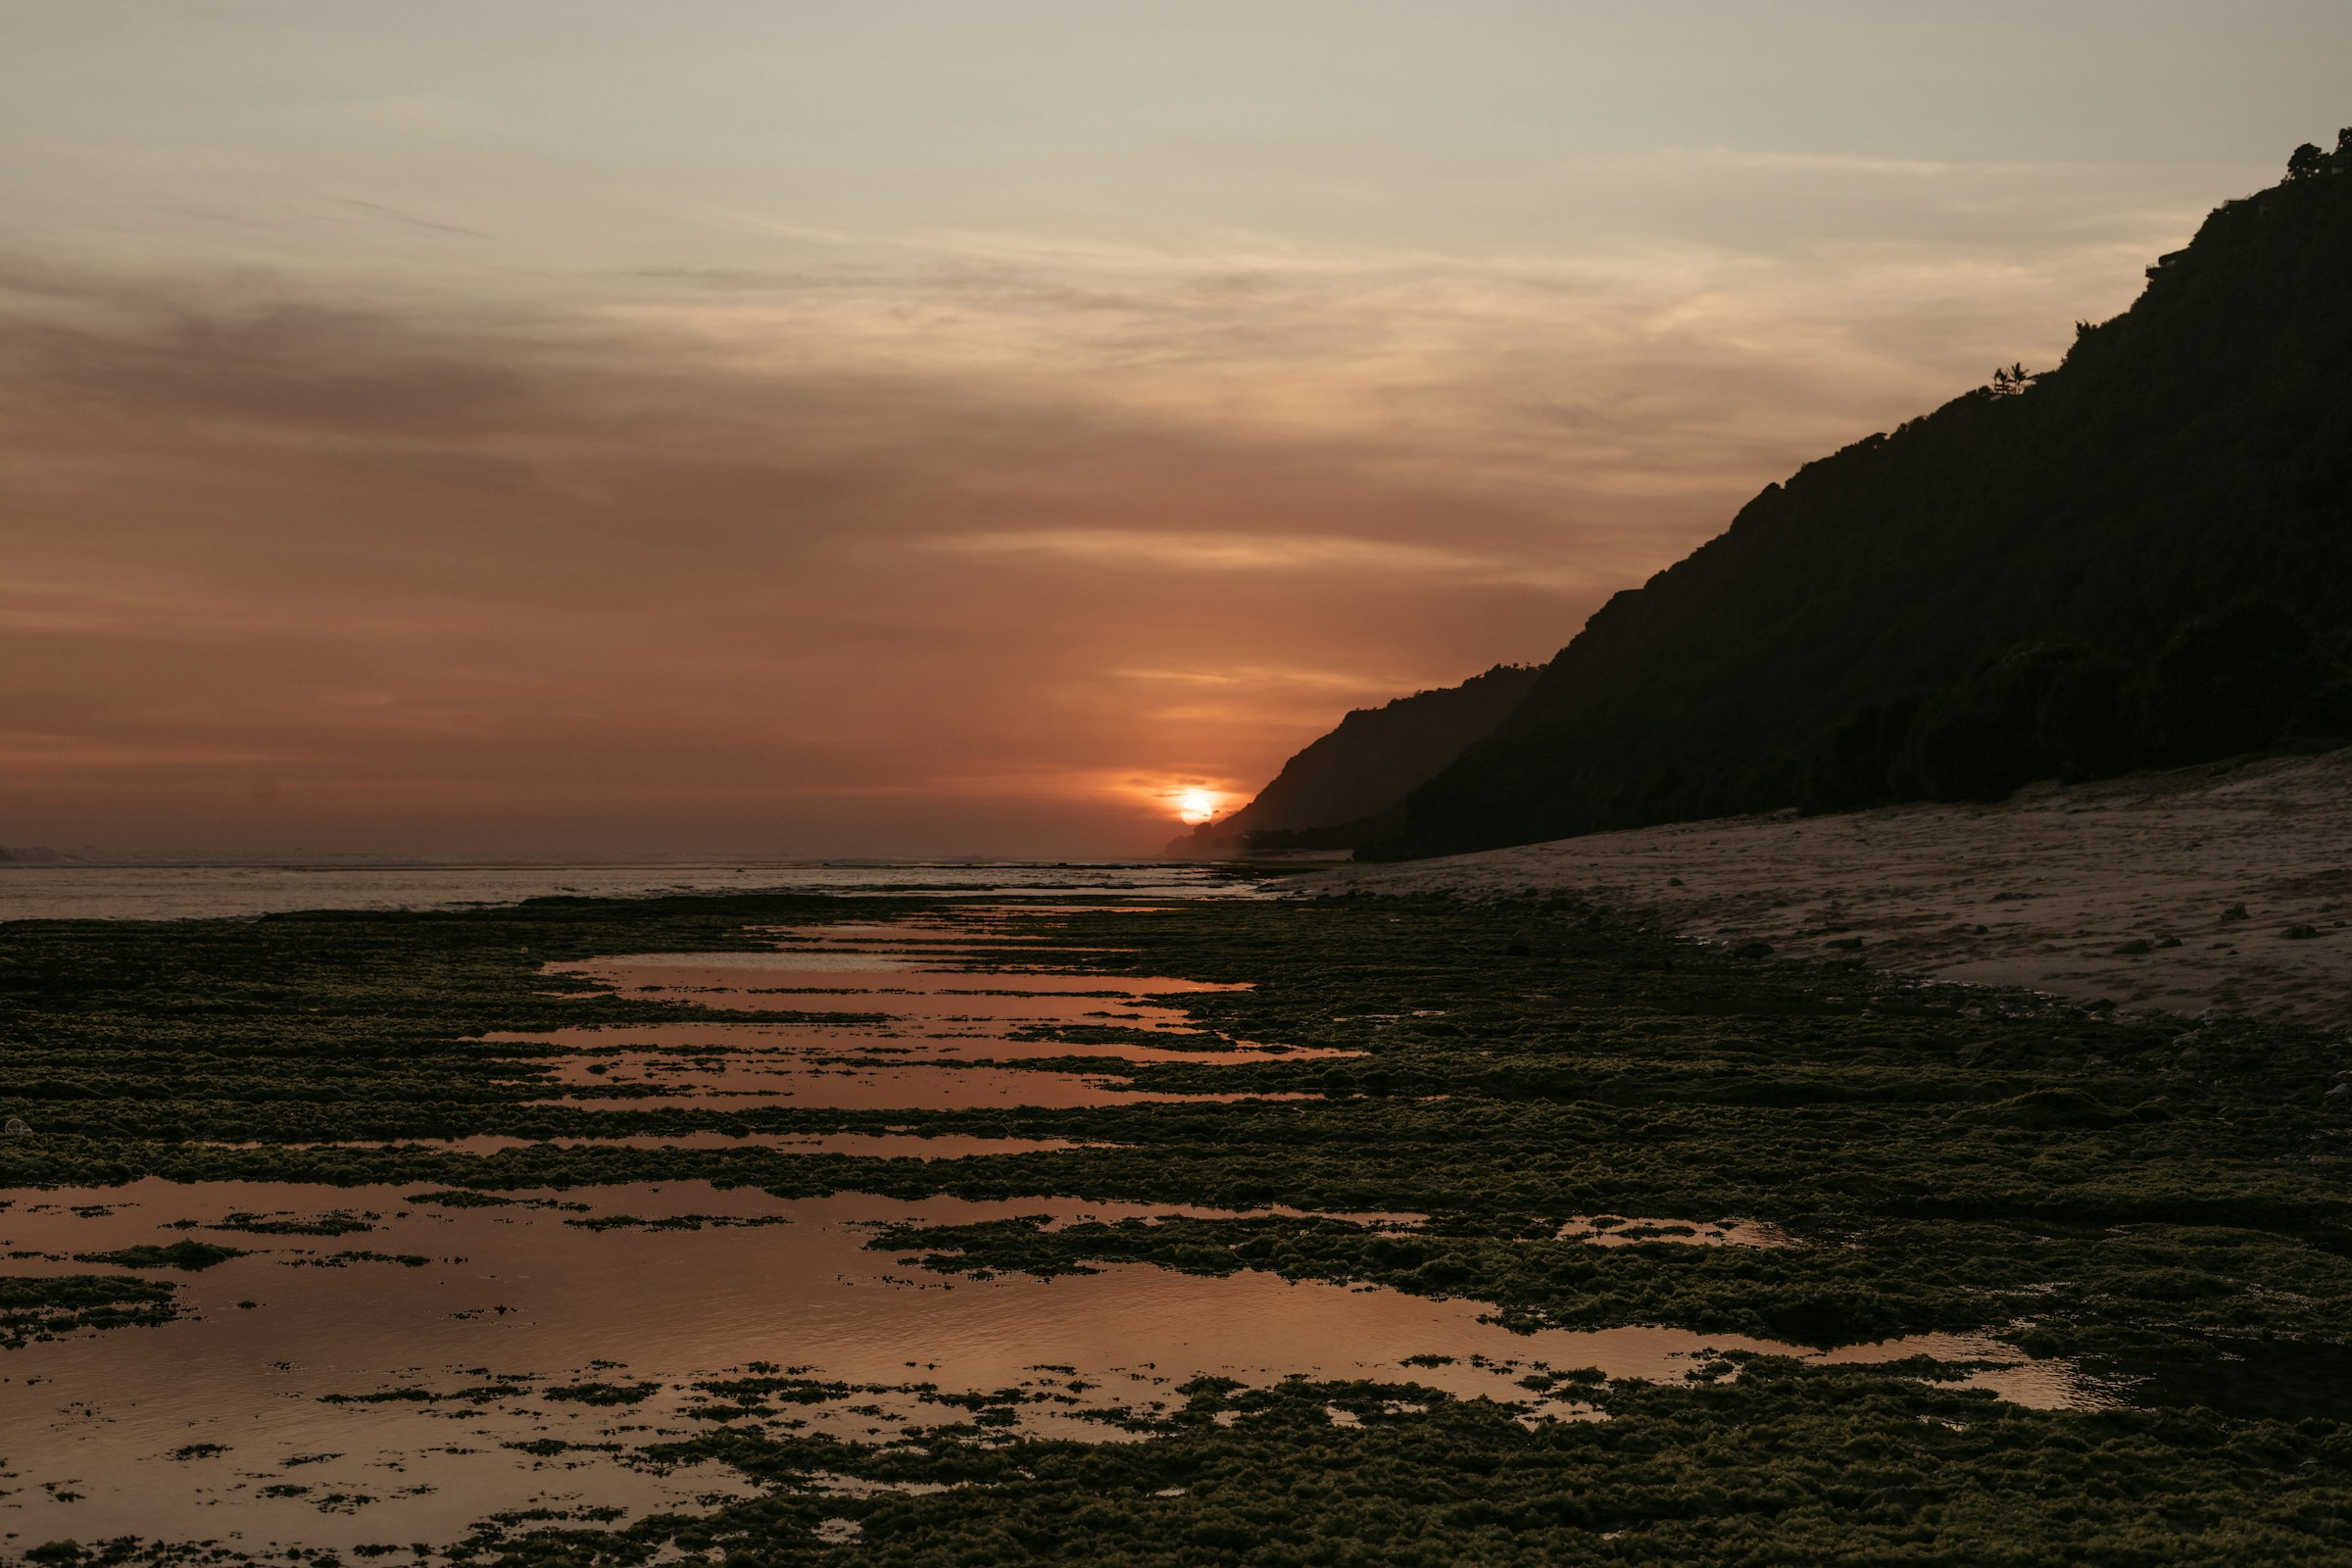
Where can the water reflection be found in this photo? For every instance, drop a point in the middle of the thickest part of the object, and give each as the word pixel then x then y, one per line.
pixel 863 1023
pixel 422 1360
pixel 333 1390
pixel 687 1046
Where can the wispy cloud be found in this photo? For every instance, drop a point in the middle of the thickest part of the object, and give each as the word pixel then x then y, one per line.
pixel 1214 552
pixel 674 507
pixel 1259 679
pixel 410 220
pixel 493 581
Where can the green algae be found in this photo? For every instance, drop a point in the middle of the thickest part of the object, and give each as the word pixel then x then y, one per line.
pixel 51 1305
pixel 1782 1464
pixel 600 1392
pixel 2159 1201
pixel 507 1387
pixel 334 1224
pixel 191 1256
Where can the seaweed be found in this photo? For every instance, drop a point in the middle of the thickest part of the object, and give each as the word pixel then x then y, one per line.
pixel 337 1223
pixel 600 1392
pixel 49 1306
pixel 1782 1465
pixel 2160 1199
pixel 191 1256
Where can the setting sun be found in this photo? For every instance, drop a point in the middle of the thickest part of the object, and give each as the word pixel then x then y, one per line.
pixel 1234 675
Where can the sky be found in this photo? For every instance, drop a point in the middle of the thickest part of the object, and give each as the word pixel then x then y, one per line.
pixel 966 426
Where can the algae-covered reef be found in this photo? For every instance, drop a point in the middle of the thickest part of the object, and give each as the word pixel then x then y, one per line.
pixel 1782 1466
pixel 1581 1126
pixel 45 1306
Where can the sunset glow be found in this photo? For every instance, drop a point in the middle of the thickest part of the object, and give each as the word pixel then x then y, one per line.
pixel 1182 740
pixel 432 458
pixel 1197 806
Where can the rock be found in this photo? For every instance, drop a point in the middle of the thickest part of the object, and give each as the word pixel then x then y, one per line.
pixel 2168 941
pixel 15 1128
pixel 2339 1093
pixel 1847 943
pixel 2236 911
pixel 2300 932
pixel 1753 949
pixel 2136 947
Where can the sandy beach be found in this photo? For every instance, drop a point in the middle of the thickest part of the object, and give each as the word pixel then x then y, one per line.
pixel 2225 886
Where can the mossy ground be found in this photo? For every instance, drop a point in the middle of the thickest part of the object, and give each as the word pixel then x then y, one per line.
pixel 2165 1206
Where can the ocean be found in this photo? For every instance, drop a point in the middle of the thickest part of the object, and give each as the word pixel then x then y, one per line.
pixel 218 891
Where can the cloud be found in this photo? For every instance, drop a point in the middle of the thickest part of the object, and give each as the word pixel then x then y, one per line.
pixel 450 580
pixel 1211 551
pixel 892 543
pixel 410 220
pixel 809 430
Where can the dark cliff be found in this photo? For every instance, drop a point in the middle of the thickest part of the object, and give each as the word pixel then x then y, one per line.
pixel 1350 785
pixel 2140 557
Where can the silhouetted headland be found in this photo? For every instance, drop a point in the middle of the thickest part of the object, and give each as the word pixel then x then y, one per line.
pixel 2139 558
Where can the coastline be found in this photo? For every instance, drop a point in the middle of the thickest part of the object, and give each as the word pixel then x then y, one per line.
pixel 2226 887
pixel 1511 1203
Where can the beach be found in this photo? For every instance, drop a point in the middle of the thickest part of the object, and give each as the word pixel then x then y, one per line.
pixel 2226 885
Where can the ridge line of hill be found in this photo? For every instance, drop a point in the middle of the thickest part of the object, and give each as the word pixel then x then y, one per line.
pixel 2136 560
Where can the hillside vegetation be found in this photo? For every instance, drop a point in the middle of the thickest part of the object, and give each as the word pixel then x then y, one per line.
pixel 2141 558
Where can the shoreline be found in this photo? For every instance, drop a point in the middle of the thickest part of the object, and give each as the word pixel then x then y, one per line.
pixel 1699 1217
pixel 2221 888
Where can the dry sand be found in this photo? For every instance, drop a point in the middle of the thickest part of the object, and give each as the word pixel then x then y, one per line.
pixel 2054 889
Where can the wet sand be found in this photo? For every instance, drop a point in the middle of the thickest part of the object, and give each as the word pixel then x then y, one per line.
pixel 2226 887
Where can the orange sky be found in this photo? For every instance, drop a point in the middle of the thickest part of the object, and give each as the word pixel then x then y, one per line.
pixel 930 428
